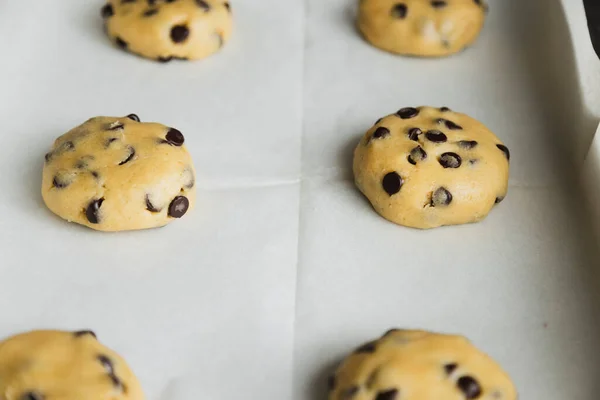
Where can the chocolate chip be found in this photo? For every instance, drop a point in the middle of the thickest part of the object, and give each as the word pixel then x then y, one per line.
pixel 164 59
pixel 107 364
pixel 349 393
pixel 450 160
pixel 366 348
pixel 227 6
pixel 331 382
pixel 407 112
pixel 121 43
pixel 84 333
pixel 179 33
pixel 150 207
pixel 499 200
pixel 467 144
pixel 48 156
pixel 438 4
pixel 31 396
pixel 60 182
pixel 93 210
pixel 392 183
pixel 378 121
pixel 203 5
pixel 417 154
pixel 399 10
pixel 107 11
pixel 174 137
pixel 116 381
pixel 505 150
pixel 109 141
pixel 380 133
pixel 436 136
pixel 449 124
pixel 134 117
pixel 441 197
pixel 130 156
pixel 444 109
pixel 469 386
pixel 450 368
pixel 413 134
pixel 95 174
pixel 179 207
pixel 391 394
pixel 150 12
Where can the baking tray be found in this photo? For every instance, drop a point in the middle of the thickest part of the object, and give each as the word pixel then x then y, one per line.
pixel 283 267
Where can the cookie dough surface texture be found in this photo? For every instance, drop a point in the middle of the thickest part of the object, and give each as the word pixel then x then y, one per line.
pixel 421 27
pixel 418 365
pixel 164 30
pixel 428 167
pixel 115 174
pixel 56 365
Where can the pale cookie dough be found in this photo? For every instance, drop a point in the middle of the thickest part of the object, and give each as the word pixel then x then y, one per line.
pixel 429 28
pixel 116 174
pixel 428 167
pixel 164 30
pixel 419 365
pixel 56 365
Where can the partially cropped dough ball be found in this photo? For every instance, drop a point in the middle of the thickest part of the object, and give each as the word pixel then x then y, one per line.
pixel 56 365
pixel 116 174
pixel 418 365
pixel 428 167
pixel 421 27
pixel 164 30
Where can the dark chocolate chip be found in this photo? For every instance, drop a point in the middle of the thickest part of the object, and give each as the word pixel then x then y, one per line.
pixel 399 10
pixel 134 117
pixel 107 11
pixel 499 200
pixel 392 182
pixel 469 386
pixel 450 368
pixel 331 382
pixel 441 197
pixel 174 137
pixel 93 209
pixel 203 5
pixel 164 59
pixel 107 364
pixel 121 43
pixel 444 109
pixel 130 156
pixel 60 183
pixel 48 156
pixel 32 396
pixel 116 381
pixel 450 160
pixel 170 1
pixel 84 333
pixel 467 144
pixel 109 141
pixel 117 126
pixel 436 136
pixel 378 121
pixel 349 393
pixel 380 133
pixel 150 207
pixel 179 33
pixel 150 12
pixel 407 112
pixel 227 6
pixel 413 134
pixel 179 207
pixel 391 394
pixel 449 124
pixel 417 154
pixel 505 150
pixel 438 4
pixel 366 348
pixel 95 174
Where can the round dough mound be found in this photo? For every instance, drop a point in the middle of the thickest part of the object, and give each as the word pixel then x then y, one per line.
pixel 421 27
pixel 419 365
pixel 428 167
pixel 53 365
pixel 116 174
pixel 164 30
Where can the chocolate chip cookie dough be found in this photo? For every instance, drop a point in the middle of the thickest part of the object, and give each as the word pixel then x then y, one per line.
pixel 164 30
pixel 419 365
pixel 56 365
pixel 421 27
pixel 427 167
pixel 116 174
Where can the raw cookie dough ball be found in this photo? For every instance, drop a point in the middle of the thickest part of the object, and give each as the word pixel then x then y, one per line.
pixel 421 27
pixel 116 174
pixel 55 365
pixel 428 167
pixel 168 29
pixel 418 365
